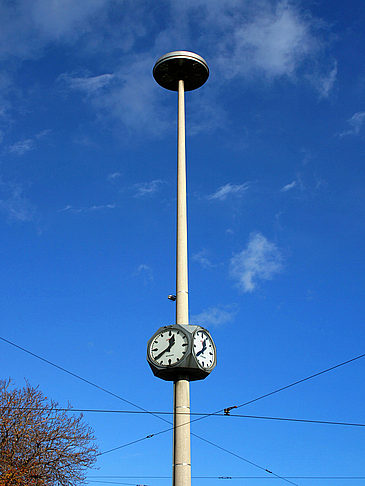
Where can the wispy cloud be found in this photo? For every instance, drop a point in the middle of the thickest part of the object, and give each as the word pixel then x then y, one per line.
pixel 43 133
pixel 356 123
pixel 14 204
pixel 202 258
pixel 272 40
pixel 262 40
pixel 22 146
pixel 215 316
pixel 87 209
pixel 146 272
pixel 260 260
pixel 324 80
pixel 289 186
pixel 41 22
pixel 88 84
pixel 147 188
pixel 228 190
pixel 113 176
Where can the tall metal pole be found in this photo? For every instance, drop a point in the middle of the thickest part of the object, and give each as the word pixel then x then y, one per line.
pixel 181 71
pixel 181 443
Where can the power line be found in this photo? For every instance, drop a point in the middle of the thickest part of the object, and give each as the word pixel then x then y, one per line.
pixel 191 421
pixel 343 363
pixel 203 414
pixel 206 441
pixel 302 380
pixel 78 377
pixel 112 482
pixel 247 403
pixel 320 478
pixel 140 408
pixel 258 398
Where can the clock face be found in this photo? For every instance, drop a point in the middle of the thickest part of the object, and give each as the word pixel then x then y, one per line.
pixel 169 347
pixel 204 350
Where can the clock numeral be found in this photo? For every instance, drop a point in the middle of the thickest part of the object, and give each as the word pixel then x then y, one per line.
pixel 185 344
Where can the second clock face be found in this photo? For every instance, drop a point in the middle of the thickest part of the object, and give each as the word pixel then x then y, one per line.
pixel 169 347
pixel 204 349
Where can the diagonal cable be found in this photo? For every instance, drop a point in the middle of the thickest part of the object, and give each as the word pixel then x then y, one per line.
pixel 140 408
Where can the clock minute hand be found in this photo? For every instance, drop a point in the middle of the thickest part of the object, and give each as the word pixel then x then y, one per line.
pixel 162 352
pixel 171 343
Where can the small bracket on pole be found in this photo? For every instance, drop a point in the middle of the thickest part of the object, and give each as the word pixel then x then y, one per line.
pixel 172 297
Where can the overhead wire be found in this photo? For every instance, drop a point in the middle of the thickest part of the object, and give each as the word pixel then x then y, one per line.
pixel 194 420
pixel 206 414
pixel 140 408
pixel 343 363
pixel 318 478
pixel 75 375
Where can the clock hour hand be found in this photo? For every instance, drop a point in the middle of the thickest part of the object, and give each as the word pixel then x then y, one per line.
pixel 202 349
pixel 171 343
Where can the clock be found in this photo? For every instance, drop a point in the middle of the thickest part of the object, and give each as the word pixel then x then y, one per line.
pixel 203 349
pixel 181 352
pixel 168 347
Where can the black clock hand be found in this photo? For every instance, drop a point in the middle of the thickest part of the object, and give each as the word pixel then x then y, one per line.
pixel 171 343
pixel 202 349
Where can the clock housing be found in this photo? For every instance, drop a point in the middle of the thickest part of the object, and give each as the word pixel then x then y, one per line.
pixel 181 351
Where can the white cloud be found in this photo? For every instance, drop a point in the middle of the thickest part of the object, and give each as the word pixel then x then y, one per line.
pixel 22 146
pixel 202 259
pixel 214 316
pixel 87 209
pixel 14 204
pixel 146 272
pixel 256 40
pixel 229 189
pixel 114 176
pixel 270 40
pixel 135 100
pixel 275 42
pixel 356 122
pixel 87 84
pixel 263 40
pixel 44 21
pixel 251 39
pixel 324 80
pixel 260 260
pixel 289 186
pixel 43 133
pixel 147 188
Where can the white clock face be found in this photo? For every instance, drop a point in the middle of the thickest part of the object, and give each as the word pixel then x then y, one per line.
pixel 203 349
pixel 169 347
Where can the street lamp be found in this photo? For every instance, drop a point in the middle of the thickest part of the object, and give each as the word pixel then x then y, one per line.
pixel 181 352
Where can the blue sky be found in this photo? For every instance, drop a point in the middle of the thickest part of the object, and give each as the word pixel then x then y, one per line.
pixel 275 154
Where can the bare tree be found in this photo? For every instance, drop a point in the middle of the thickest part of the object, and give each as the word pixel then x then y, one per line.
pixel 41 445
